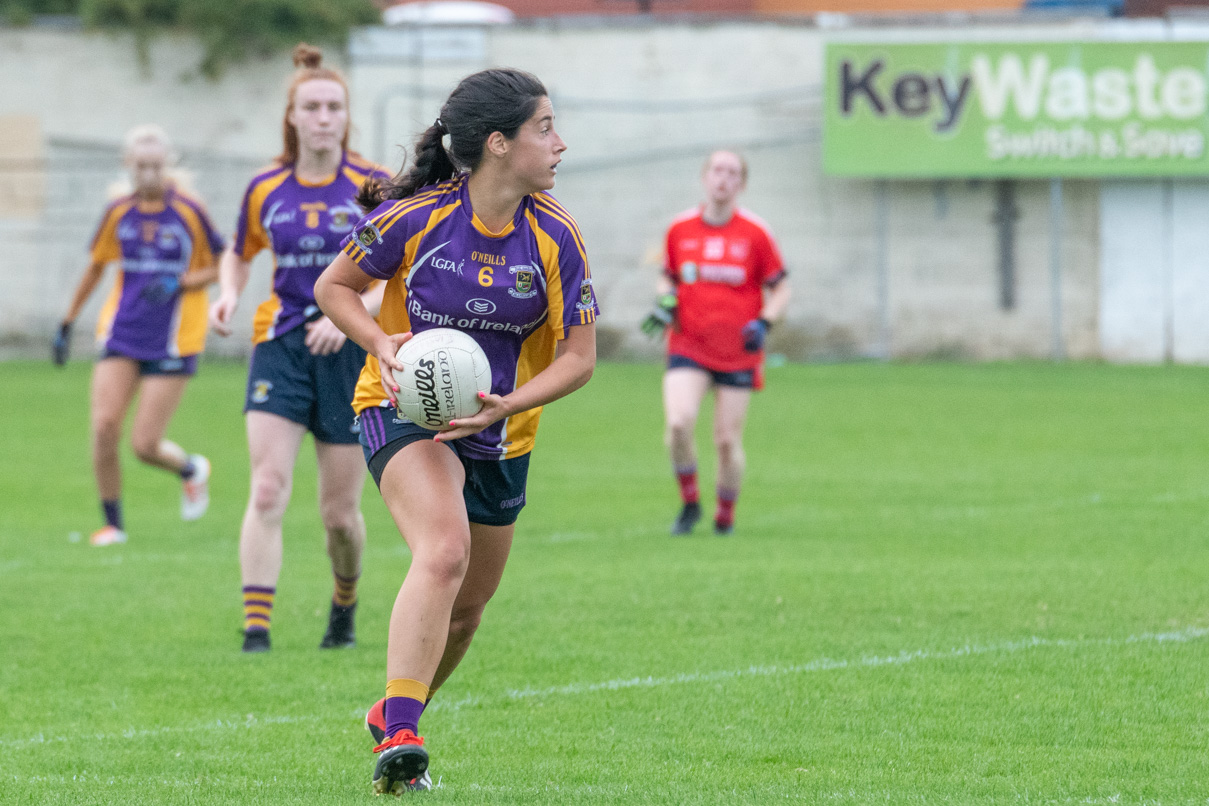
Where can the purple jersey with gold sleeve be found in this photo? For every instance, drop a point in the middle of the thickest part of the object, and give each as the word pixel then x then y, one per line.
pixel 303 224
pixel 153 241
pixel 515 292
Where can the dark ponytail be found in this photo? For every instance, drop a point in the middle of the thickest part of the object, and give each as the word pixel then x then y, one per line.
pixel 496 100
pixel 432 165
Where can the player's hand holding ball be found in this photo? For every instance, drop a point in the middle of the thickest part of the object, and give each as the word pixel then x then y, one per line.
pixel 659 319
pixel 494 408
pixel 754 334
pixel 390 368
pixel 62 344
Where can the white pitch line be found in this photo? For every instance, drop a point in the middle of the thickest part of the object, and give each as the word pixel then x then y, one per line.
pixel 141 733
pixel 829 664
pixel 573 689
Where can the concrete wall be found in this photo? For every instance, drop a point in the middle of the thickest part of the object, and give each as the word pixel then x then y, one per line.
pixel 640 106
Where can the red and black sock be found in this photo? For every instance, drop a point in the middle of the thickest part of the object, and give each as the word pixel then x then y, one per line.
pixel 726 507
pixel 686 477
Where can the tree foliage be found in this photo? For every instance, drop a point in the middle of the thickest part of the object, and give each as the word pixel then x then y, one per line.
pixel 230 30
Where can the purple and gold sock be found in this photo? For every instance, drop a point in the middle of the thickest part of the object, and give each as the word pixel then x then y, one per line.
pixel 257 608
pixel 405 700
pixel 345 594
pixel 113 512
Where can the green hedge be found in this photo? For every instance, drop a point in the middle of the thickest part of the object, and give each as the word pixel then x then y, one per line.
pixel 230 29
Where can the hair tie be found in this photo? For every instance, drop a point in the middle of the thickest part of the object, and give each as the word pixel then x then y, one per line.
pixel 441 126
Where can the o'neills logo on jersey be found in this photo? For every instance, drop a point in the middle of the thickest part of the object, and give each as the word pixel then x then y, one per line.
pixel 490 260
pixel 436 408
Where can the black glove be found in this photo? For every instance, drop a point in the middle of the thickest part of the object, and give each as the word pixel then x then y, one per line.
pixel 62 345
pixel 161 289
pixel 754 334
pixel 663 315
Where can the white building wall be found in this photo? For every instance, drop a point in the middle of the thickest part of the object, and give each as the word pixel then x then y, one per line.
pixel 1190 271
pixel 1154 300
pixel 1134 293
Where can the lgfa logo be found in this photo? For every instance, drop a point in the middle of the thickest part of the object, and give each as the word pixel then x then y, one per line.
pixel 1030 90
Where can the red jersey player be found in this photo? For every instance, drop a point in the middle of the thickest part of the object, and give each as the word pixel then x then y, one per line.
pixel 724 284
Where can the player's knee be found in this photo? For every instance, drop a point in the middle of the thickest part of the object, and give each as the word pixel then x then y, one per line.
pixel 106 431
pixel 270 493
pixel 464 622
pixel 445 560
pixel 729 446
pixel 342 523
pixel 679 430
pixel 145 449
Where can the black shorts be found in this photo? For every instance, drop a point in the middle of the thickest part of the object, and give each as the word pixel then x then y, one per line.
pixel 184 365
pixel 315 391
pixel 743 379
pixel 494 491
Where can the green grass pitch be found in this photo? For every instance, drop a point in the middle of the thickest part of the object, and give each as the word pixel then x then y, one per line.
pixel 949 584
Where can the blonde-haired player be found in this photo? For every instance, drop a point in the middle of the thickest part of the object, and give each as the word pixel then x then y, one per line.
pixel 152 327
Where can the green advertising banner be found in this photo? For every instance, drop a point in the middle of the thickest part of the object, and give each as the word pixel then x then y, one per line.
pixel 1005 109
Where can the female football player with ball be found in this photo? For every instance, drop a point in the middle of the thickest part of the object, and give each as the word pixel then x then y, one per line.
pixel 468 238
pixel 303 369
pixel 723 287
pixel 151 329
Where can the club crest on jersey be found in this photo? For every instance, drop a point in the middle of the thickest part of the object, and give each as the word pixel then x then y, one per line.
pixel 585 296
pixel 688 272
pixel 524 282
pixel 260 391
pixel 340 221
pixel 368 237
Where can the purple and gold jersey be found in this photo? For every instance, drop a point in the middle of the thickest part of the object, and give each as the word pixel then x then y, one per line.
pixel 172 236
pixel 516 291
pixel 303 224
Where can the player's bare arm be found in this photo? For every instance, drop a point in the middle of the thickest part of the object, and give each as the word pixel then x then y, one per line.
pixel 88 284
pixel 233 273
pixel 776 300
pixel 199 278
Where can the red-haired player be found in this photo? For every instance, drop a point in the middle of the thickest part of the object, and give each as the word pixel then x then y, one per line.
pixel 724 284
pixel 303 369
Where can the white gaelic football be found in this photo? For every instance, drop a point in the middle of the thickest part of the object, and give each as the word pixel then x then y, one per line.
pixel 443 372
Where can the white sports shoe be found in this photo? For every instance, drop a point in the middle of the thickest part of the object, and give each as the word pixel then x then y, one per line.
pixel 107 536
pixel 195 492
